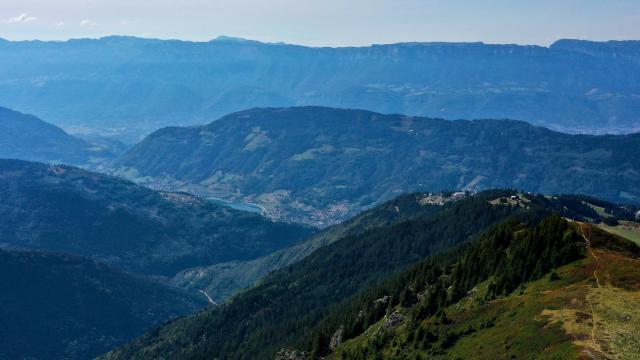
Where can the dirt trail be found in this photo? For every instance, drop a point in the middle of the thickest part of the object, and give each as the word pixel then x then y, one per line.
pixel 587 240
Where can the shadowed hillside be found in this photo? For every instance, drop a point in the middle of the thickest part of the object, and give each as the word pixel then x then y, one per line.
pixel 66 209
pixel 58 306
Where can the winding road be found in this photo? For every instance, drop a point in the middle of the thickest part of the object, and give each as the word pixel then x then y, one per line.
pixel 211 301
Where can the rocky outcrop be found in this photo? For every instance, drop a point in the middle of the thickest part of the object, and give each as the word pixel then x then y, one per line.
pixel 337 338
pixel 393 321
pixel 289 354
pixel 382 300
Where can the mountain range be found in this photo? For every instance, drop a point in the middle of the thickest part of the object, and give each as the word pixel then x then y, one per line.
pixel 323 165
pixel 132 86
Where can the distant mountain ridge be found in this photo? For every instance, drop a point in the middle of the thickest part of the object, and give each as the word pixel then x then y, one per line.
pixel 627 49
pixel 321 165
pixel 139 85
pixel 26 137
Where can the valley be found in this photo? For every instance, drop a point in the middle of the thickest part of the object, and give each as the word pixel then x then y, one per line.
pixel 303 280
pixel 227 279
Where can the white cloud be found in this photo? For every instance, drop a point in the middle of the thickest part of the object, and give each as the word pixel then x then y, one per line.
pixel 86 22
pixel 60 24
pixel 20 19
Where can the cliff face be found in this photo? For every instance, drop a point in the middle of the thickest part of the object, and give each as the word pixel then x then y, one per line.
pixel 140 85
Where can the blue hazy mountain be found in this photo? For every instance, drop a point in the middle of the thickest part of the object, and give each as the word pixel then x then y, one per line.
pixel 26 137
pixel 133 86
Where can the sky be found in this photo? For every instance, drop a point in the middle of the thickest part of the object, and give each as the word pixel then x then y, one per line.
pixel 325 22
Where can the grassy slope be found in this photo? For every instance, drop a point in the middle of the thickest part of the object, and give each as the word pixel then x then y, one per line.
pixel 627 229
pixel 553 319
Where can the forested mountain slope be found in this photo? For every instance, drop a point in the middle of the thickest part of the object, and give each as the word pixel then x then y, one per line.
pixel 286 308
pixel 66 209
pixel 323 165
pixel 225 279
pixel 57 306
pixel 569 289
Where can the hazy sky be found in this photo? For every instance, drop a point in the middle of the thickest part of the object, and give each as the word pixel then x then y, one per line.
pixel 326 22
